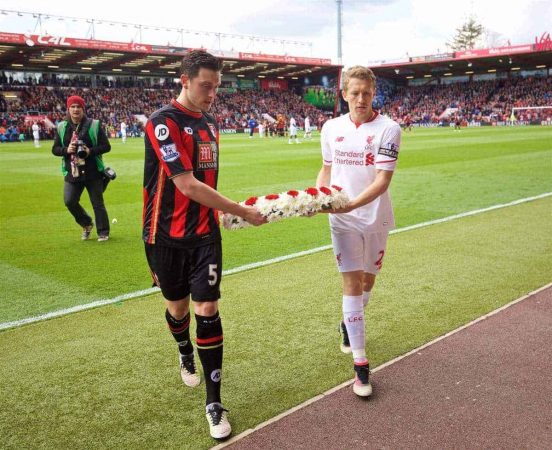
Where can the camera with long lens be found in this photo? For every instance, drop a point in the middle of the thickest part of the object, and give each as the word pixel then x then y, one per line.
pixel 81 151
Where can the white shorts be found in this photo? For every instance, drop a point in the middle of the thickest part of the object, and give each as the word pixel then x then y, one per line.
pixel 356 251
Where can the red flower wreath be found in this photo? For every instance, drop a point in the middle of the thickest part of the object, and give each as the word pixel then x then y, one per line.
pixel 251 201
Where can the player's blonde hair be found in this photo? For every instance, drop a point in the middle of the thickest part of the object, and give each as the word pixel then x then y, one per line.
pixel 359 72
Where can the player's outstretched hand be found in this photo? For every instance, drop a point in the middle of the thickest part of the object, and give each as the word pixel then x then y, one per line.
pixel 253 216
pixel 345 209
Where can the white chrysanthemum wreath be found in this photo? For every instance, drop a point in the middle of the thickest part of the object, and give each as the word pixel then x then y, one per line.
pixel 292 203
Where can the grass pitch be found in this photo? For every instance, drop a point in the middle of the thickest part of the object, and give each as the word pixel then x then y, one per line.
pixel 108 378
pixel 45 267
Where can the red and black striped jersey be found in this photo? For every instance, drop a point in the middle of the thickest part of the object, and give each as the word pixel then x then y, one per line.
pixel 178 140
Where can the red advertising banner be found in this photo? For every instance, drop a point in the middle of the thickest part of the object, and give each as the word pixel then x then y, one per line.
pixel 498 51
pixel 42 119
pixel 285 59
pixel 31 118
pixel 61 41
pixel 275 84
pixel 544 43
pixel 12 38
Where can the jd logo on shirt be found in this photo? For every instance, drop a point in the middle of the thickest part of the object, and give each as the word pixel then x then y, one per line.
pixel 161 132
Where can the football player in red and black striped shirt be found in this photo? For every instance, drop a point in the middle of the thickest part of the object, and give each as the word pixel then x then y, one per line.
pixel 181 227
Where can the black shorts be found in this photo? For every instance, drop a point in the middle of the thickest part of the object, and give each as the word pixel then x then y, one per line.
pixel 180 272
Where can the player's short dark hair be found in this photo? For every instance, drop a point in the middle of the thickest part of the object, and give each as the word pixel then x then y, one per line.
pixel 197 59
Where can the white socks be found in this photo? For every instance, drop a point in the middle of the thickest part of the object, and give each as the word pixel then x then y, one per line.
pixel 353 316
pixel 365 298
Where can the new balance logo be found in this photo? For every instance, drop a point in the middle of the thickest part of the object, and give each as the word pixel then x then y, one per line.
pixel 216 375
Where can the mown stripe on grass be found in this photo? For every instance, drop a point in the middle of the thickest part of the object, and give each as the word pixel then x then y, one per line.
pixel 141 293
pixel 377 369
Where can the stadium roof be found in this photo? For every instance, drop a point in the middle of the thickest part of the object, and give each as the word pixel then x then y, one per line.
pixel 479 61
pixel 54 53
pixel 45 53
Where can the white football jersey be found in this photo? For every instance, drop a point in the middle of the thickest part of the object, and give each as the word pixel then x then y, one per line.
pixel 355 153
pixel 292 127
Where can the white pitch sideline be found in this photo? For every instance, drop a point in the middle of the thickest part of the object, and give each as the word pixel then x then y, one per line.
pixel 130 295
pixel 376 369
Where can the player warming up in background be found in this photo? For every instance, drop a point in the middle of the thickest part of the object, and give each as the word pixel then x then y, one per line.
pixel 308 131
pixel 123 131
pixel 181 225
pixel 36 134
pixel 359 151
pixel 293 131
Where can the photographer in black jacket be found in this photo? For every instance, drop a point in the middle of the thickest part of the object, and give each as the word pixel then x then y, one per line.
pixel 81 142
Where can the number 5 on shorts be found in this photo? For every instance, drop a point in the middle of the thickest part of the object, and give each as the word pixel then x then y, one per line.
pixel 213 276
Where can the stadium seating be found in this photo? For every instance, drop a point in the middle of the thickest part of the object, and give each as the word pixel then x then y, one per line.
pixel 113 105
pixel 480 101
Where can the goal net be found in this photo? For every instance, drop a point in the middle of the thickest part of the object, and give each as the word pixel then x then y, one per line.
pixel 531 115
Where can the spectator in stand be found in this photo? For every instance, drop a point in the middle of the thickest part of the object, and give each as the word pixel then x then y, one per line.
pixel 476 101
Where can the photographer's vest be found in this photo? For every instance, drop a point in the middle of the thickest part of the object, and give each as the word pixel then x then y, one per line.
pixel 92 133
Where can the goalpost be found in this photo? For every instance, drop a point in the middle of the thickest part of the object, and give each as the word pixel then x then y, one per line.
pixel 546 120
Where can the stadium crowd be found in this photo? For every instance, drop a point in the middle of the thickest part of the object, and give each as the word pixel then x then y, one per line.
pixel 114 105
pixel 478 101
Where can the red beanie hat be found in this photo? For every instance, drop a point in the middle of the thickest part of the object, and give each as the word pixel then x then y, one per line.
pixel 75 99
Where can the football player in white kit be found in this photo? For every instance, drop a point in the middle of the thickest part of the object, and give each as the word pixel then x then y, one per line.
pixel 293 131
pixel 36 134
pixel 307 134
pixel 123 131
pixel 360 151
